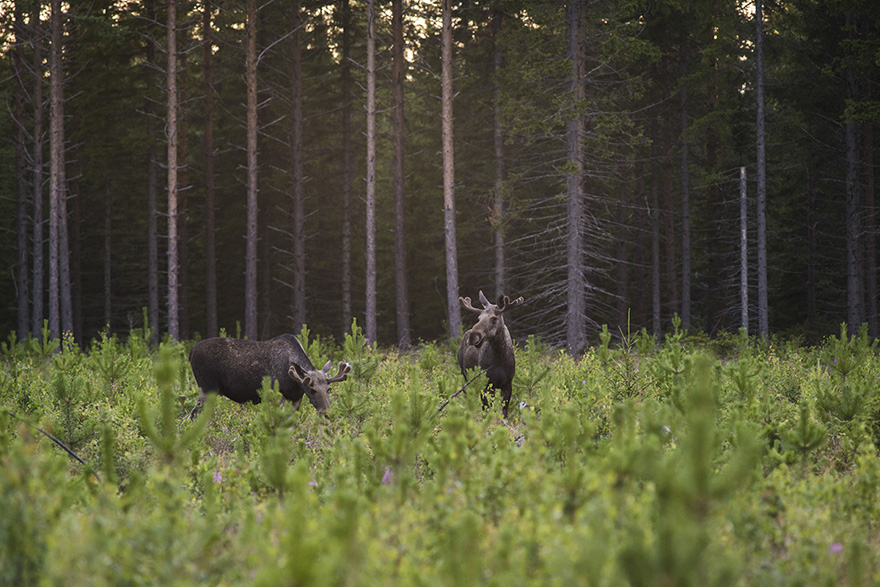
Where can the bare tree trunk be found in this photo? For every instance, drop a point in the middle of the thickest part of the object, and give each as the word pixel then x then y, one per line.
pixel 453 309
pixel 853 225
pixel 575 313
pixel 685 205
pixel 171 130
pixel 57 179
pixel 296 145
pixel 763 313
pixel 22 271
pixel 108 260
pixel 656 323
pixel 500 166
pixel 400 272
pixel 250 313
pixel 371 173
pixel 811 251
pixel 183 191
pixel 208 147
pixel 38 281
pixel 347 165
pixel 152 191
pixel 743 251
pixel 871 229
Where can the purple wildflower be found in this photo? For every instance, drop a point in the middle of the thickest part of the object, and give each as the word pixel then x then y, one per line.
pixel 835 548
pixel 218 477
pixel 313 483
pixel 387 477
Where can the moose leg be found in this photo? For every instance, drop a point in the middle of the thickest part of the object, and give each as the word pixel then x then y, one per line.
pixel 197 410
pixel 506 392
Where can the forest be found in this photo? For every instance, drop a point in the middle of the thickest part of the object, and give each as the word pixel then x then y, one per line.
pixel 248 167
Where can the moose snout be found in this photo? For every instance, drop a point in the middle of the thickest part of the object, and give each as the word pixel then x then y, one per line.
pixel 475 339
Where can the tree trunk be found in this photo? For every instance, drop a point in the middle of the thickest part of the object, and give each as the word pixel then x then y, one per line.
pixel 296 145
pixel 22 271
pixel 453 308
pixel 400 272
pixel 371 173
pixel 347 165
pixel 761 177
pixel 685 204
pixel 498 215
pixel 853 226
pixel 575 313
pixel 171 130
pixel 871 229
pixel 57 179
pixel 108 260
pixel 182 192
pixel 656 324
pixel 250 313
pixel 811 251
pixel 743 251
pixel 208 148
pixel 37 314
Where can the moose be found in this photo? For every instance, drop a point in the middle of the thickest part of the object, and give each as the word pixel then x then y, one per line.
pixel 487 345
pixel 235 368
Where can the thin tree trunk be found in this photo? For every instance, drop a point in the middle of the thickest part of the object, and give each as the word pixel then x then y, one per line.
pixel 400 272
pixel 22 270
pixel 108 260
pixel 656 324
pixel 250 314
pixel 575 312
pixel 453 308
pixel 296 145
pixel 743 251
pixel 761 177
pixel 371 173
pixel 152 191
pixel 37 314
pixel 182 192
pixel 685 205
pixel 171 130
pixel 208 148
pixel 500 166
pixel 811 251
pixel 57 180
pixel 669 216
pixel 853 228
pixel 347 165
pixel 871 229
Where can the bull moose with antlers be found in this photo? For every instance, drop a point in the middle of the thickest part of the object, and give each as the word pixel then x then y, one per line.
pixel 488 345
pixel 235 368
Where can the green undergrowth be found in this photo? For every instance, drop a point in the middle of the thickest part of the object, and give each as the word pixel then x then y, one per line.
pixel 682 462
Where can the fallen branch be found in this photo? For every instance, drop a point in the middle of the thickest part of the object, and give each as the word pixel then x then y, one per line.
pixel 66 448
pixel 463 387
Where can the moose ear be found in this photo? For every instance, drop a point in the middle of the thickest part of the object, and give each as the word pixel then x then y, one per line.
pixel 483 299
pixel 326 367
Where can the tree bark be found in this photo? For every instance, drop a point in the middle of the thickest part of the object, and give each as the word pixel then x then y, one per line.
pixel 656 323
pixel 743 251
pixel 575 313
pixel 208 148
pixel 761 177
pixel 853 225
pixel 57 179
pixel 685 203
pixel 37 314
pixel 400 272
pixel 171 130
pixel 296 145
pixel 108 260
pixel 371 174
pixel 347 165
pixel 498 213
pixel 453 309
pixel 22 271
pixel 250 314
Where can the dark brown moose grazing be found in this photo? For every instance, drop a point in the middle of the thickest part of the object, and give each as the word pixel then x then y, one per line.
pixel 235 368
pixel 488 346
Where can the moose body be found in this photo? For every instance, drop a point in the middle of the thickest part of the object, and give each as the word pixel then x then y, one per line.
pixel 488 345
pixel 235 369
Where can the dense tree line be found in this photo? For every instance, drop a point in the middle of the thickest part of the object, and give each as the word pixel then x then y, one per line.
pixel 585 155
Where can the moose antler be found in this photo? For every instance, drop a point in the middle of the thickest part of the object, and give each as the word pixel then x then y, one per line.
pixel 294 374
pixel 341 372
pixel 466 304
pixel 505 304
